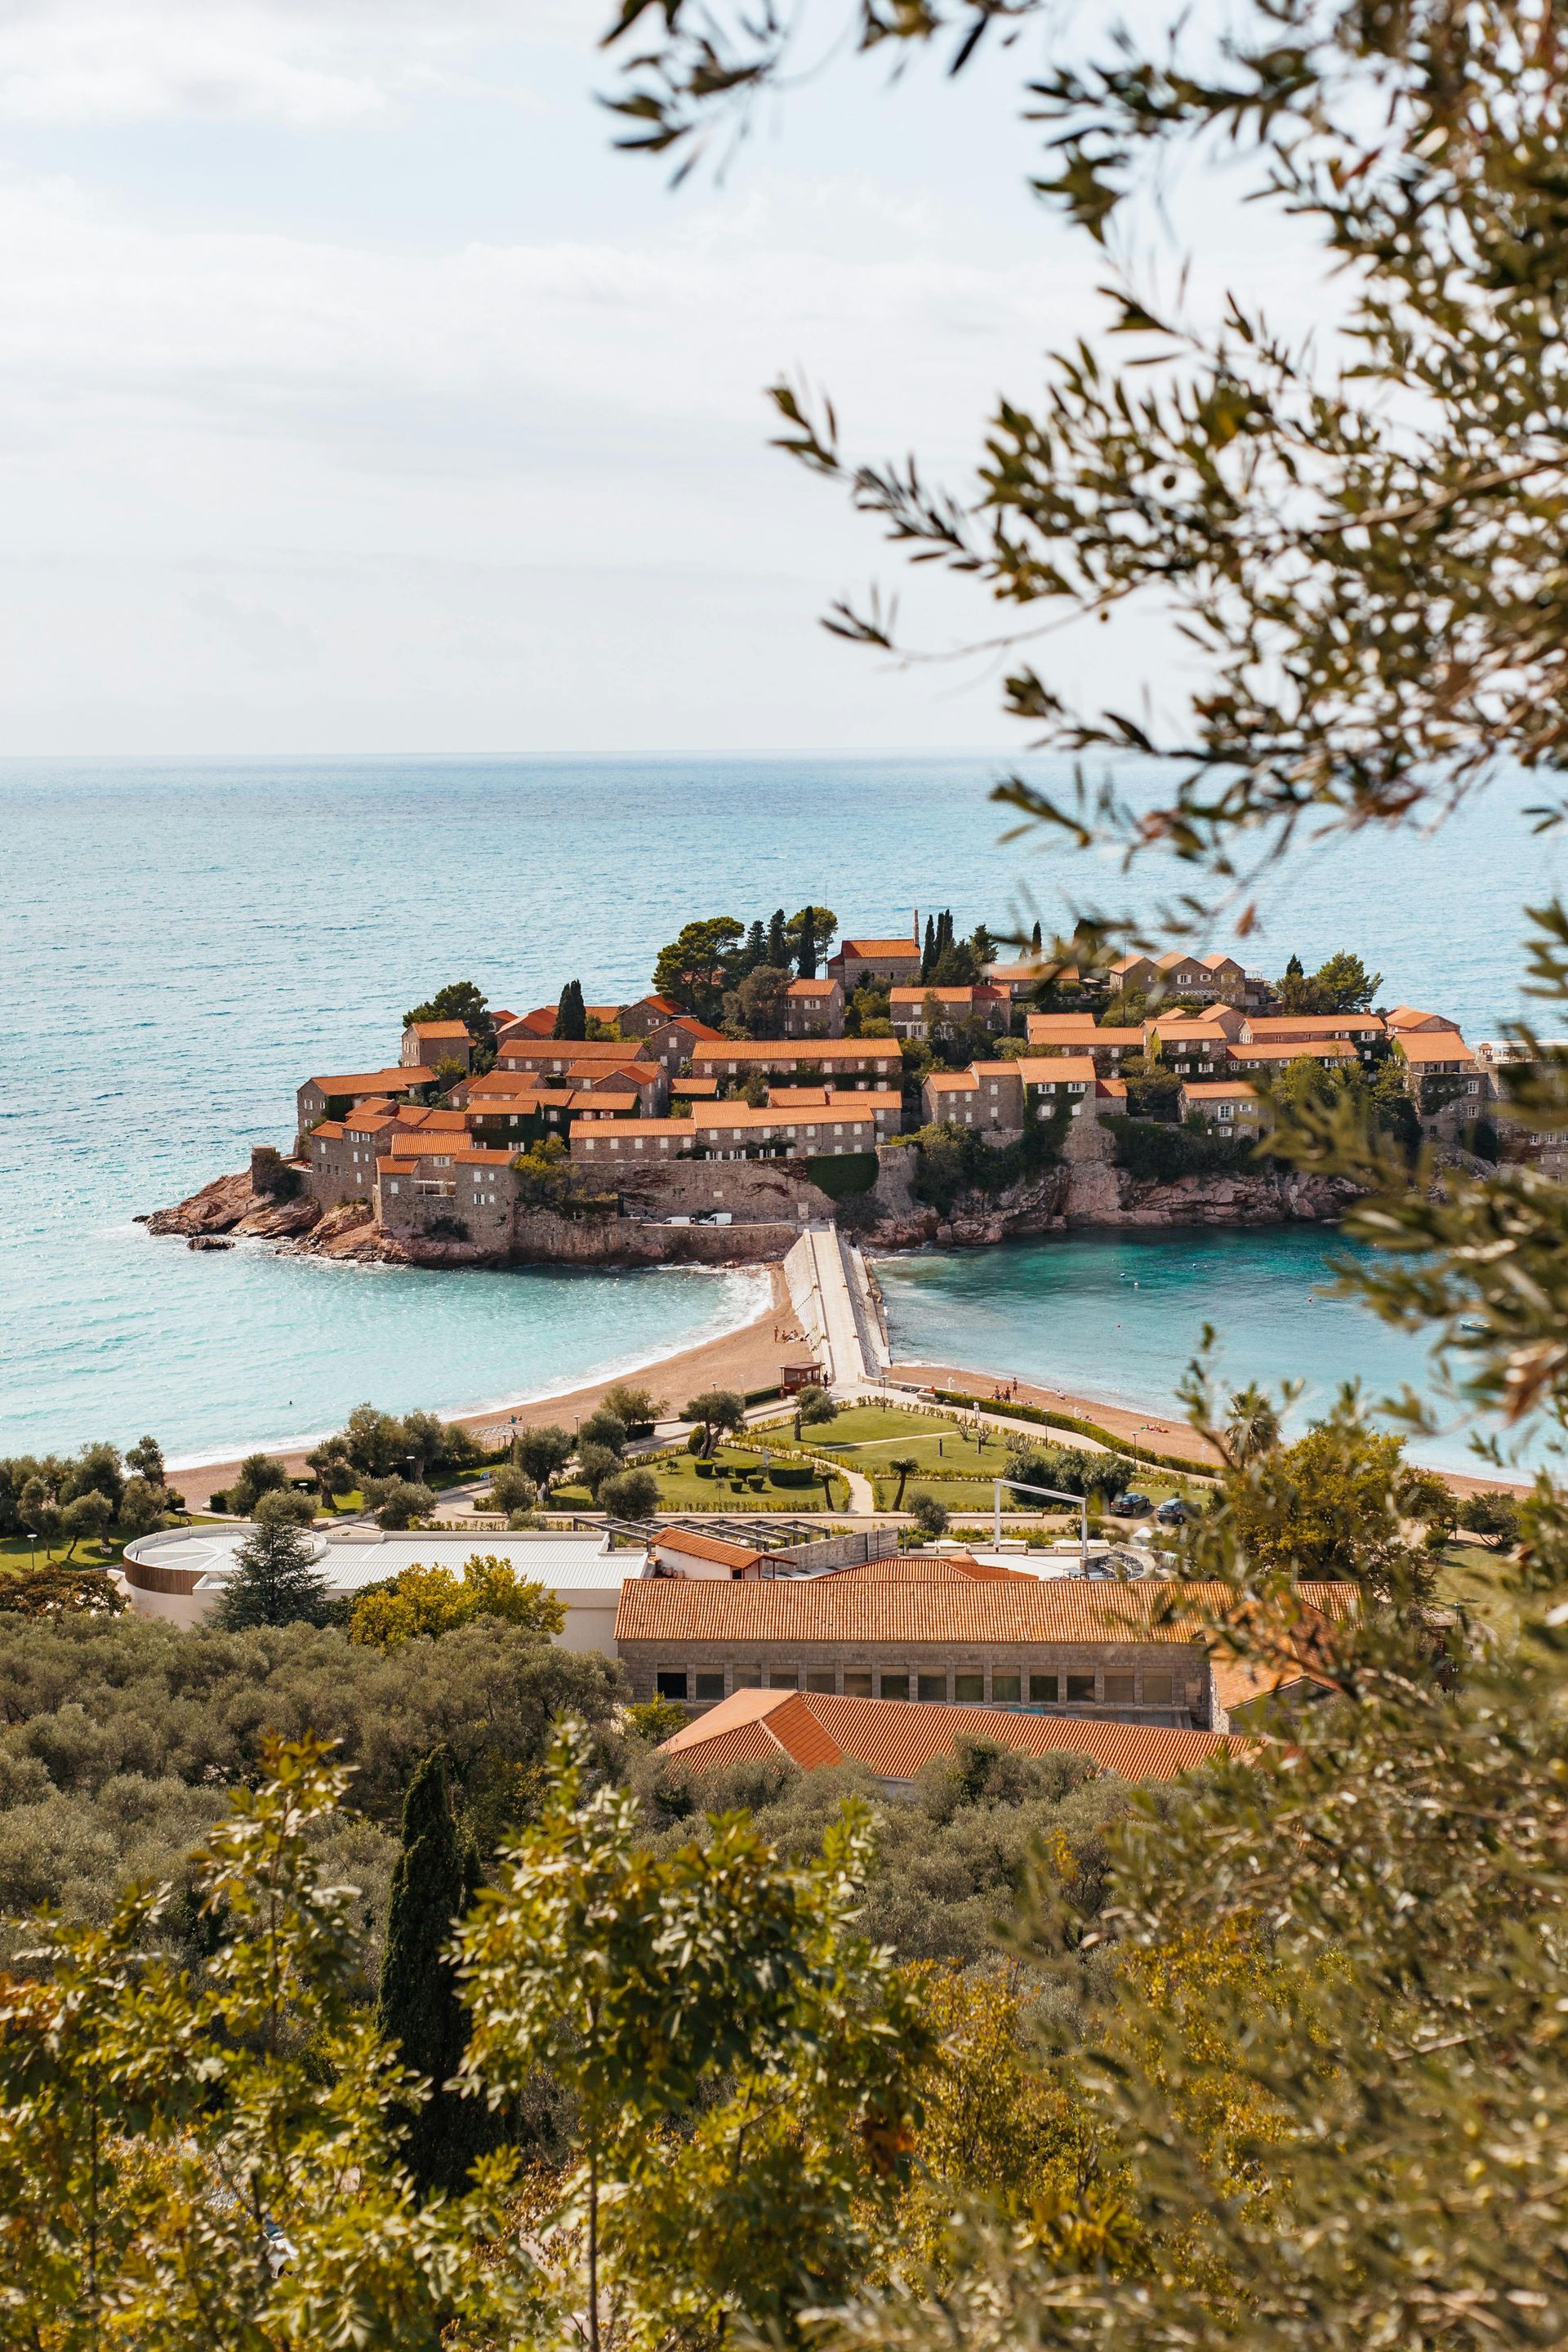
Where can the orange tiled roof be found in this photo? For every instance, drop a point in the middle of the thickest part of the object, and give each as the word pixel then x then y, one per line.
pixel 1214 1090
pixel 1410 1016
pixel 797 1049
pixel 576 1049
pixel 395 1081
pixel 439 1028
pixel 1314 1024
pixel 1433 1045
pixel 1054 1069
pixel 909 945
pixel 931 1567
pixel 833 1609
pixel 895 1738
pixel 811 988
pixel 711 1548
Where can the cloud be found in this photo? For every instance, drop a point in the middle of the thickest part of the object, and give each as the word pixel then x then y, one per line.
pixel 313 63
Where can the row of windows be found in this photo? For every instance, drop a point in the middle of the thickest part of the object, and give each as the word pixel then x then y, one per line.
pixel 968 1689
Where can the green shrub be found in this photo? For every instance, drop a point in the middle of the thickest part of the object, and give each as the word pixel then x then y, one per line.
pixel 1159 1154
pixel 844 1178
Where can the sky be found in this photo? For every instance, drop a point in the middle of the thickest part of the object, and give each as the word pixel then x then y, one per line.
pixel 357 396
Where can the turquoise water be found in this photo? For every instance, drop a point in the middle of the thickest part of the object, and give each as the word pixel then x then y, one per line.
pixel 1117 1316
pixel 185 941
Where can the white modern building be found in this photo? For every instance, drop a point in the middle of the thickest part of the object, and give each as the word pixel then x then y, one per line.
pixel 179 1573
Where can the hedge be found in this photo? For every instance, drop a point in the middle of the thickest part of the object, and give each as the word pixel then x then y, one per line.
pixel 845 1179
pixel 1081 1428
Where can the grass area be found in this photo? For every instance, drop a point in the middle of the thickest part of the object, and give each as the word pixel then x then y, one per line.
pixel 733 1482
pixel 869 1437
pixel 1470 1577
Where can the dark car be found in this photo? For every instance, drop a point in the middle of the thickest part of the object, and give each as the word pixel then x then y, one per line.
pixel 1132 1506
pixel 1173 1513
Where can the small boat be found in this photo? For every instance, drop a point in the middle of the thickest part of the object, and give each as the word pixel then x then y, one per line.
pixel 1475 1327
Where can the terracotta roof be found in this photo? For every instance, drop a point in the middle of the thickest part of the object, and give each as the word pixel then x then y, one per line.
pixel 909 945
pixel 712 1118
pixel 1054 1069
pixel 439 1028
pixel 979 994
pixel 797 1049
pixel 811 988
pixel 826 1098
pixel 1314 1024
pixel 711 1548
pixel 1433 1045
pixel 1216 1089
pixel 1304 1049
pixel 540 1023
pixel 895 1737
pixel 576 1049
pixel 1065 1024
pixel 1409 1016
pixel 692 1087
pixel 395 1081
pixel 835 1609
pixel 930 1568
pixel 964 1082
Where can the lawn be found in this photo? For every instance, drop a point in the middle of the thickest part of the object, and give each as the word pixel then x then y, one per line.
pixel 869 1437
pixel 1472 1578
pixel 735 1481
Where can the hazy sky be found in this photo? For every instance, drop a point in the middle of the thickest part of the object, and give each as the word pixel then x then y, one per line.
pixel 357 396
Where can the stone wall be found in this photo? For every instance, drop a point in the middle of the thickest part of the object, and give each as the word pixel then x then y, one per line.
pixel 823 1665
pixel 754 1191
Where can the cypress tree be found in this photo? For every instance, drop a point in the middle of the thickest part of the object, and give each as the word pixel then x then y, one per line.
pixel 928 953
pixel 778 941
pixel 571 1019
pixel 1035 940
pixel 805 954
pixel 418 2011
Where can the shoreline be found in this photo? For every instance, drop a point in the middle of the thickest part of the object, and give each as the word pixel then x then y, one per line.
pixel 747 1356
pixel 191 1466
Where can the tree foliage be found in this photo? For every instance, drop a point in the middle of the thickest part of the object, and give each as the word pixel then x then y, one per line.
pixel 422 1603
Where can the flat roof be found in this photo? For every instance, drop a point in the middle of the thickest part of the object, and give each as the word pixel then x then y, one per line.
pixel 352 1557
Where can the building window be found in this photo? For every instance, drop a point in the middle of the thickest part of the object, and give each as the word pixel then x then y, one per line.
pixel 711 1685
pixel 784 1678
pixel 1119 1690
pixel 930 1687
pixel 1042 1690
pixel 1156 1690
pixel 1005 1689
pixel 968 1690
pixel 671 1684
pixel 856 1683
pixel 895 1685
pixel 821 1679
pixel 747 1677
pixel 1080 1689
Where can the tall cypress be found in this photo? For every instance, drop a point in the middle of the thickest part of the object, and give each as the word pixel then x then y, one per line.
pixel 433 1883
pixel 778 941
pixel 805 953
pixel 570 1018
pixel 928 953
pixel 1035 939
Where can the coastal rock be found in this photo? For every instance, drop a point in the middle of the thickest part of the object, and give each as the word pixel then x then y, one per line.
pixel 209 1242
pixel 217 1208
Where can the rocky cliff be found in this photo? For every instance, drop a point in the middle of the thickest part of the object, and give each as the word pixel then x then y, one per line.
pixel 1087 1189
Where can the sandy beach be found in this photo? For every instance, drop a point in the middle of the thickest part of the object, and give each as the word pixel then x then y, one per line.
pixel 750 1358
pixel 745 1359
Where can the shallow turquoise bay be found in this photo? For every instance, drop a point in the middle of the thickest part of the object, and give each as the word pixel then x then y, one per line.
pixel 185 941
pixel 1117 1317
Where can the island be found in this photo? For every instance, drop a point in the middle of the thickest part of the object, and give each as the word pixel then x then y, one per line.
pixel 913 1087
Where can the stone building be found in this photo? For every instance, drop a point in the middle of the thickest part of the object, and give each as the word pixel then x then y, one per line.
pixel 908 1630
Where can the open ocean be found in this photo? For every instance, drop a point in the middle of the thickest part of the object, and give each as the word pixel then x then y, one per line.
pixel 182 941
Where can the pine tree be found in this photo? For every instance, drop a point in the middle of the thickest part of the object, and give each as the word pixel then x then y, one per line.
pixel 571 1019
pixel 778 941
pixel 805 953
pixel 278 1582
pixel 433 1885
pixel 928 953
pixel 754 952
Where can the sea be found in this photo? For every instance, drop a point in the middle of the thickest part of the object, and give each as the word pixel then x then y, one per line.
pixel 182 941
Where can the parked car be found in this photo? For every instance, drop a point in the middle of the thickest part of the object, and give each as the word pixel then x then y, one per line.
pixel 1173 1512
pixel 1132 1506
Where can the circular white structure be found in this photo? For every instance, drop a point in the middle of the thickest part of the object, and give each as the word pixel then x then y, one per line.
pixel 178 1574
